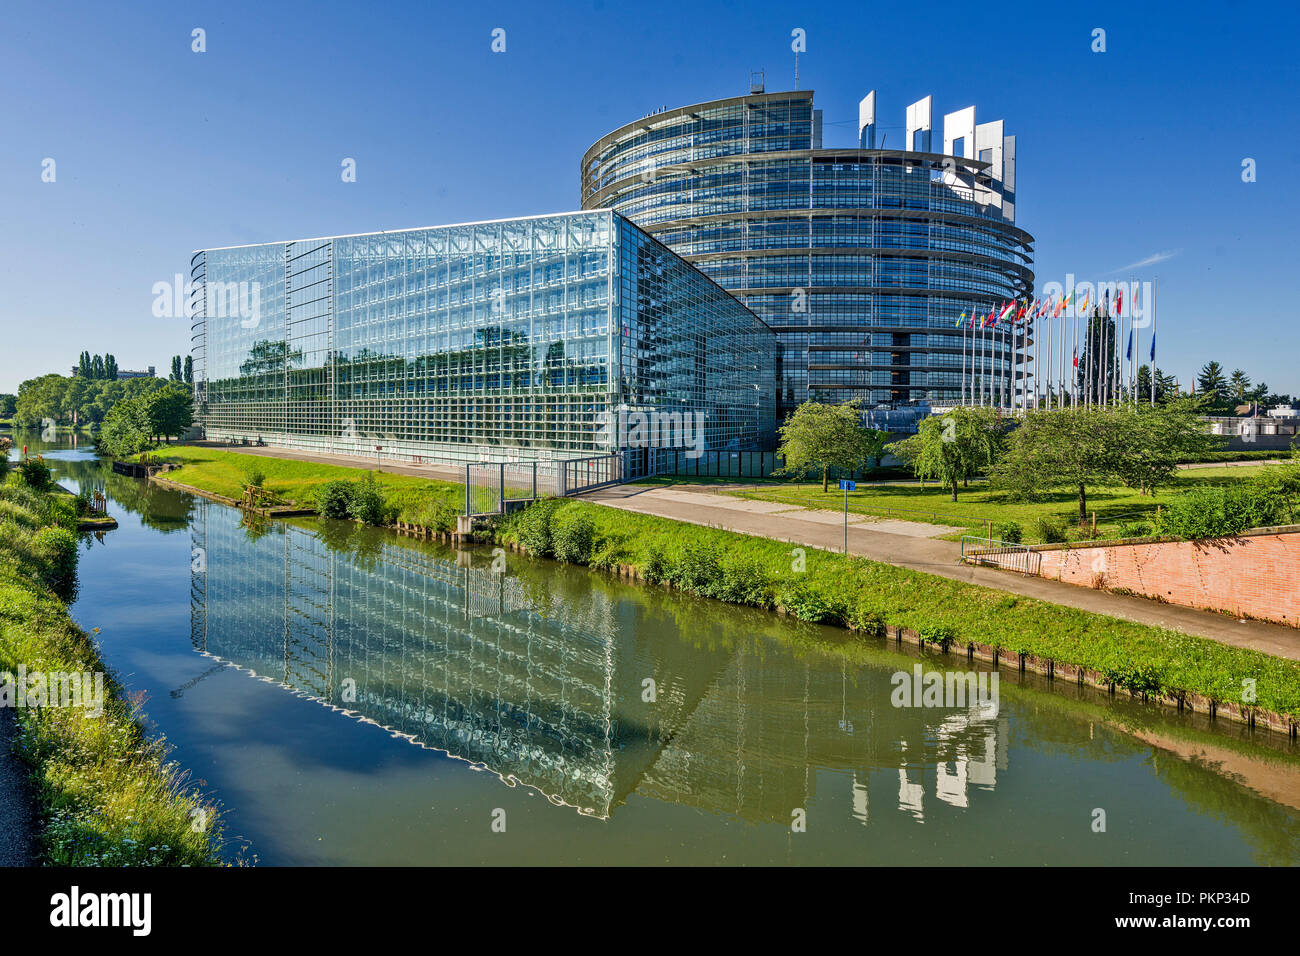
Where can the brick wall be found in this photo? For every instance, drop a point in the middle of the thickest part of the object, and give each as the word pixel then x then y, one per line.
pixel 1256 574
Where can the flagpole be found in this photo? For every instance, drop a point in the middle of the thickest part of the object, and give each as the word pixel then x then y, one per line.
pixel 1155 284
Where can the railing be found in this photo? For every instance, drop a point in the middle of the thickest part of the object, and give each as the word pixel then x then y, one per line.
pixel 491 486
pixel 1000 554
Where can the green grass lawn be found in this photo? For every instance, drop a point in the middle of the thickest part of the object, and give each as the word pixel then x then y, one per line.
pixel 223 473
pixel 977 504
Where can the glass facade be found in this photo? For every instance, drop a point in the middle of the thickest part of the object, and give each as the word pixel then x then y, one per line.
pixel 509 340
pixel 860 259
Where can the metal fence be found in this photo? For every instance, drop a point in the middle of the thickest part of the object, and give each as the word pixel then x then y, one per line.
pixel 1000 554
pixel 738 464
pixel 490 486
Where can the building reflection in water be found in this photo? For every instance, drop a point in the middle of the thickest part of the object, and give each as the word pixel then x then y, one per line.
pixel 539 675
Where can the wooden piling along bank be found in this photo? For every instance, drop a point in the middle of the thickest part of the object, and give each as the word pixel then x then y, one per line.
pixel 1054 670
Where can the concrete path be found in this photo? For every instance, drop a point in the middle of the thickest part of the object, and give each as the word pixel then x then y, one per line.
pixel 17 806
pixel 913 545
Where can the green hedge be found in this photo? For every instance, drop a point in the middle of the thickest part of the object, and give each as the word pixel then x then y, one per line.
pixel 820 586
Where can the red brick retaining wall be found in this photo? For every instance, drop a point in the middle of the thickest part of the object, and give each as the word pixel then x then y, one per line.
pixel 1256 574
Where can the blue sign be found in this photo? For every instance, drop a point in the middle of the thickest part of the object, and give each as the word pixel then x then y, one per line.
pixel 847 485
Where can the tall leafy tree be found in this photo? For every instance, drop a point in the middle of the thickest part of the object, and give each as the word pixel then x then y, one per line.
pixel 97 367
pixel 1059 448
pixel 817 438
pixel 83 365
pixel 110 368
pixel 953 447
pixel 176 369
pixel 170 411
pixel 189 370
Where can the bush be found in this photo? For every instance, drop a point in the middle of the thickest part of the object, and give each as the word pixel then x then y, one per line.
pixel 367 502
pixel 254 476
pixel 1218 511
pixel 698 570
pixel 1050 530
pixel 573 535
pixel 743 581
pixel 60 511
pixel 57 548
pixel 1134 529
pixel 438 516
pixel 35 473
pixel 866 619
pixel 334 499
pixel 656 565
pixel 532 527
pixel 808 603
pixel 1009 531
pixel 940 634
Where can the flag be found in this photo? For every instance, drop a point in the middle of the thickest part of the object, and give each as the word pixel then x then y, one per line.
pixel 960 321
pixel 1153 345
pixel 1076 356
pixel 1119 302
pixel 1128 354
pixel 1084 307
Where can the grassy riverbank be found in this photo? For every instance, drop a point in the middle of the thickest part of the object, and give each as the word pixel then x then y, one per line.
pixel 866 595
pixel 107 796
pixel 410 498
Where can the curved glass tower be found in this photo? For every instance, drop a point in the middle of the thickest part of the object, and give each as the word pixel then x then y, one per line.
pixel 861 259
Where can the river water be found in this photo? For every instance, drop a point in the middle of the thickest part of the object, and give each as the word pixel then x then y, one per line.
pixel 351 696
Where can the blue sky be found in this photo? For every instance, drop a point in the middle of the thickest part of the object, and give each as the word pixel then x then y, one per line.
pixel 1124 156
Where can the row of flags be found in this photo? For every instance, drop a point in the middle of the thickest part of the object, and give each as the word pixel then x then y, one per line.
pixel 1051 307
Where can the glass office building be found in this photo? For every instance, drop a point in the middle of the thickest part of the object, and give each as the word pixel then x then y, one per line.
pixel 861 259
pixel 536 338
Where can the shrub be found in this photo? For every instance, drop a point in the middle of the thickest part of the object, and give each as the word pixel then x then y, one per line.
pixel 532 527
pixel 743 581
pixel 254 476
pixel 438 516
pixel 808 603
pixel 866 619
pixel 367 503
pixel 573 535
pixel 35 473
pixel 84 502
pixel 1217 511
pixel 1134 529
pixel 60 511
pixel 698 570
pixel 609 554
pixel 334 499
pixel 656 565
pixel 940 634
pixel 1050 530
pixel 57 548
pixel 1009 531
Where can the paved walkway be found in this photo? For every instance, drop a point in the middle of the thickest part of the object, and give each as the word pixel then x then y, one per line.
pixel 17 813
pixel 913 545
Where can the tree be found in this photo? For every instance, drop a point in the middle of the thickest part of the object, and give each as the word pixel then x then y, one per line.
pixel 83 365
pixel 176 369
pixel 1066 447
pixel 819 437
pixel 97 367
pixel 1212 385
pixel 126 429
pixel 188 374
pixel 954 446
pixel 8 404
pixel 1238 385
pixel 110 368
pixel 170 411
pixel 1096 372
pixel 1153 440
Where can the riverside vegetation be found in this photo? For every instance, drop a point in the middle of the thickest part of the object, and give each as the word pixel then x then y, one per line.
pixel 106 793
pixel 866 596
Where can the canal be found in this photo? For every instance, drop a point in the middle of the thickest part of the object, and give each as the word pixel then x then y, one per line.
pixel 351 696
